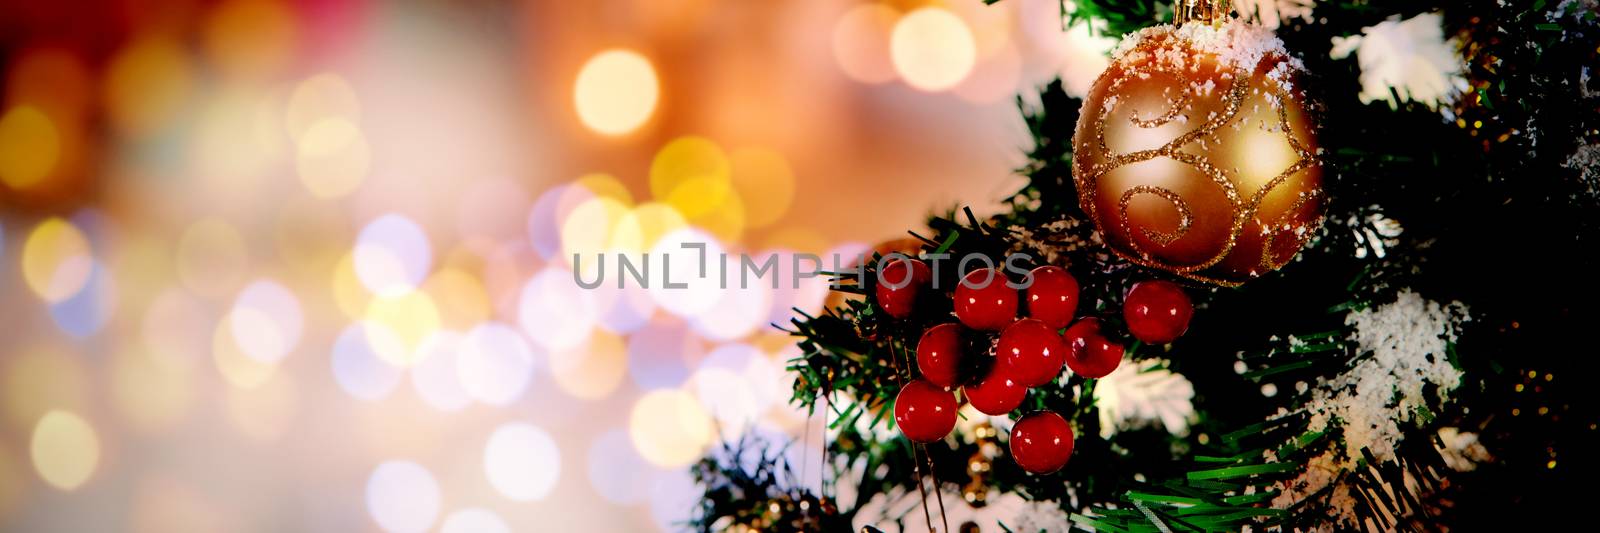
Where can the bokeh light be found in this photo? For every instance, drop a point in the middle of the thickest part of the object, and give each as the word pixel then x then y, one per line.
pixel 742 309
pixel 322 96
pixel 673 498
pixel 458 296
pixel 332 157
pixel 669 428
pixel 659 354
pixel 266 320
pixel 587 233
pixel 403 497
pixel 692 174
pixel 555 312
pixel 605 186
pixel 522 462
pixel 861 42
pixel 544 226
pixel 65 450
pixel 615 468
pixel 30 147
pixel 56 260
pixel 474 520
pixel 358 365
pixel 236 367
pixel 146 84
pixel 691 261
pixel 53 79
pixel 643 226
pixel 616 92
pixel 592 370
pixel 494 364
pixel 434 375
pixel 756 384
pixel 392 255
pixel 726 397
pixel 84 313
pixel 623 310
pixel 932 48
pixel 506 270
pixel 349 294
pixel 236 137
pixel 237 227
pixel 408 318
pixel 811 292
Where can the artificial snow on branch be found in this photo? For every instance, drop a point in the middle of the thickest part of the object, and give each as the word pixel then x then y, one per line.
pixel 1409 58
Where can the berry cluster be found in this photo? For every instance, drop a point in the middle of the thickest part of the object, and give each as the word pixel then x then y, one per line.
pixel 1028 351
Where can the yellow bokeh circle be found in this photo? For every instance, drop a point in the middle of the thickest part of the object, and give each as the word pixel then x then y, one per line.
pixel 642 226
pixel 593 370
pixel 30 146
pixel 669 428
pixel 409 319
pixel 933 49
pixel 319 97
pixel 692 174
pixel 616 92
pixel 56 260
pixel 332 157
pixel 65 450
pixel 459 297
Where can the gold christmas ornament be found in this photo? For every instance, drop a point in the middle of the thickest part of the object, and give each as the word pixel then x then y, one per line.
pixel 1196 151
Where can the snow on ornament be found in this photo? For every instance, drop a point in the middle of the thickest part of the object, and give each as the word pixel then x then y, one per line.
pixel 1196 151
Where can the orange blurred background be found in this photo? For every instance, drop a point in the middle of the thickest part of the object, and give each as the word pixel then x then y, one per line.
pixel 278 265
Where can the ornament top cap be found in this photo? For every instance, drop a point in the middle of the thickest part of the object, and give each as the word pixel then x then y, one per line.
pixel 1212 12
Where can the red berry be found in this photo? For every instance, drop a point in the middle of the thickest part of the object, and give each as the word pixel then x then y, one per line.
pixel 984 302
pixel 924 411
pixel 1053 297
pixel 1031 351
pixel 899 283
pixel 997 393
pixel 1157 312
pixel 939 355
pixel 1041 442
pixel 1089 353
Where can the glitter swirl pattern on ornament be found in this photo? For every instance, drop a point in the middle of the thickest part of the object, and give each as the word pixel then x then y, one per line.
pixel 1196 153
